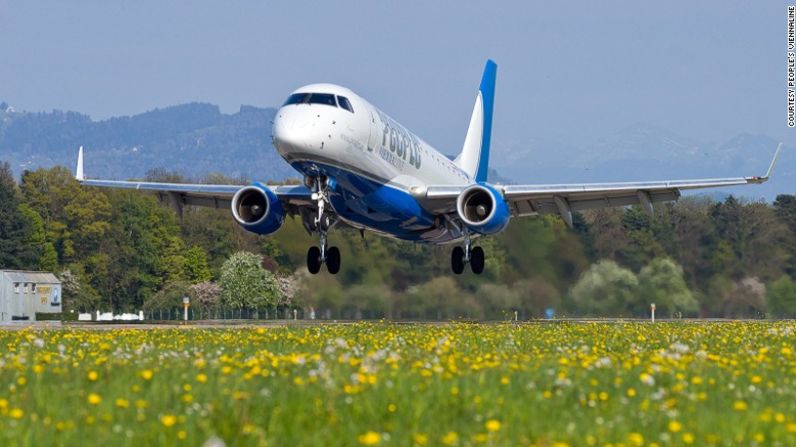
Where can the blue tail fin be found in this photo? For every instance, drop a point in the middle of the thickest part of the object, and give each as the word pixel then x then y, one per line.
pixel 474 158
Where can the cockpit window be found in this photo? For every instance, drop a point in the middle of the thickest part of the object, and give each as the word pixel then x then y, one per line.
pixel 323 98
pixel 296 98
pixel 345 103
pixel 311 98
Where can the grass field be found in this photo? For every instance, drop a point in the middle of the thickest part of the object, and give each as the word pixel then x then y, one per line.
pixel 575 384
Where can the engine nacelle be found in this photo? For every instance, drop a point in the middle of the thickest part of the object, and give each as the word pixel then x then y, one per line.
pixel 483 209
pixel 257 209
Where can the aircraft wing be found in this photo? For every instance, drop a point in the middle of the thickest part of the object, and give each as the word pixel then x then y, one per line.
pixel 563 199
pixel 213 196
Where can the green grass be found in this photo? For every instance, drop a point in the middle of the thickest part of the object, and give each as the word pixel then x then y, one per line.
pixel 381 384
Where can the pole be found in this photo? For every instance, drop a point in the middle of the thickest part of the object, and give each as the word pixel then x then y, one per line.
pixel 652 311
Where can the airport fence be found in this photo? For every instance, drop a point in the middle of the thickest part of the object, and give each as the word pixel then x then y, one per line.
pixel 273 313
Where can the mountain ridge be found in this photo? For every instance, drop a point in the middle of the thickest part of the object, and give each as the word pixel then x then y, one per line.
pixel 197 139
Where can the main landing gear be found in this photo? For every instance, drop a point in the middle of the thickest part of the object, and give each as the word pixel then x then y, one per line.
pixel 323 255
pixel 467 255
pixel 321 224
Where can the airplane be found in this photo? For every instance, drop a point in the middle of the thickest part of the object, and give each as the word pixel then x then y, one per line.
pixel 364 170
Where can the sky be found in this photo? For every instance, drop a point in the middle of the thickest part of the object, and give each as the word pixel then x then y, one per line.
pixel 572 71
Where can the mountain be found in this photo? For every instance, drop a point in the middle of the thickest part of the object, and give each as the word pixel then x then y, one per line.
pixel 648 152
pixel 195 139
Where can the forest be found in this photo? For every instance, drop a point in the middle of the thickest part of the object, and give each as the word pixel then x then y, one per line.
pixel 125 251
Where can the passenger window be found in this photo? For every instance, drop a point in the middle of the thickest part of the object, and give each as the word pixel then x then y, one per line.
pixel 345 103
pixel 16 287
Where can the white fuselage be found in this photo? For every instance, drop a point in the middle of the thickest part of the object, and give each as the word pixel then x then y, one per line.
pixel 367 141
pixel 378 169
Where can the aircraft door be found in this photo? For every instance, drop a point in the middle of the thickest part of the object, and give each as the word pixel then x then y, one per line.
pixel 374 140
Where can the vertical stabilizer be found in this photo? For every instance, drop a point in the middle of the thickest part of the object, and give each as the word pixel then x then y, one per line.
pixel 474 158
pixel 79 169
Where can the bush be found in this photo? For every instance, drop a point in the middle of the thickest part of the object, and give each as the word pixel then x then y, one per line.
pixel 782 297
pixel 245 283
pixel 169 297
pixel 661 282
pixel 606 289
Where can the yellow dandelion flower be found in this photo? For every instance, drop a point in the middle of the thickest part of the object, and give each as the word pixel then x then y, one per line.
pixel 688 438
pixel 791 427
pixel 147 374
pixel 480 438
pixel 168 420
pixel 636 439
pixel 94 398
pixel 122 403
pixel 492 425
pixel 369 438
pixel 451 438
pixel 675 426
pixel 93 376
pixel 739 405
pixel 201 378
pixel 182 434
pixel 16 413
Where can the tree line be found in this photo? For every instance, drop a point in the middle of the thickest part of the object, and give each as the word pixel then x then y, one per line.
pixel 123 250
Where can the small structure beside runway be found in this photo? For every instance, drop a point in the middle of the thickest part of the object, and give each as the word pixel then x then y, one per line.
pixel 23 294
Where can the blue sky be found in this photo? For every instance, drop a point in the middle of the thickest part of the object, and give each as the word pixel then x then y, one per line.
pixel 573 71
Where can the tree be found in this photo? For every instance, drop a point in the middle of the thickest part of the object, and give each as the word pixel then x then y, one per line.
pixel 498 300
pixel 785 207
pixel 535 295
pixel 169 297
pixel 661 282
pixel 16 249
pixel 205 295
pixel 245 283
pixel 746 298
pixel 606 289
pixel 196 268
pixel 77 293
pixel 782 297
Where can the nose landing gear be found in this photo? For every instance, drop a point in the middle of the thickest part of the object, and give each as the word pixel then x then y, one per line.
pixel 467 255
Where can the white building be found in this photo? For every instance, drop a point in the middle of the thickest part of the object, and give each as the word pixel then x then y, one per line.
pixel 23 294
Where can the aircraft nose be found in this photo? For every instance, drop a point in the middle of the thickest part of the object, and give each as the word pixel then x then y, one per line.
pixel 286 136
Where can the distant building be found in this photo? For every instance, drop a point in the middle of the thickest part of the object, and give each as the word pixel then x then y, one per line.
pixel 23 294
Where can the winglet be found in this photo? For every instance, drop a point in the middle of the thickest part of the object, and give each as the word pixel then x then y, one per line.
pixel 764 178
pixel 79 170
pixel 773 161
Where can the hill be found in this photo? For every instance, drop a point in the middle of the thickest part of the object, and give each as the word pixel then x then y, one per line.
pixel 195 139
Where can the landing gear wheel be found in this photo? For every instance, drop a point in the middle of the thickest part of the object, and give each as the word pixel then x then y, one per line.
pixel 333 260
pixel 477 260
pixel 314 260
pixel 457 260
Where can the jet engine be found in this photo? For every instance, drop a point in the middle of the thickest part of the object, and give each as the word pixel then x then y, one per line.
pixel 257 209
pixel 483 209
